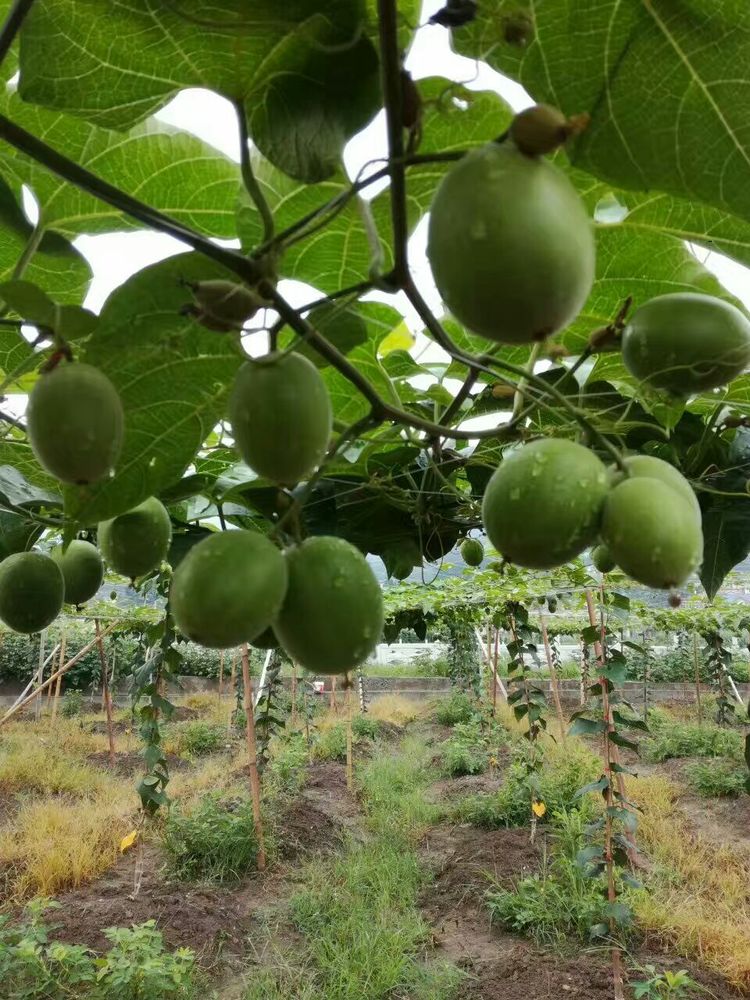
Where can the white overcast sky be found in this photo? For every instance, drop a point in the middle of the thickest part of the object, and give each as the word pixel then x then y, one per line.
pixel 115 257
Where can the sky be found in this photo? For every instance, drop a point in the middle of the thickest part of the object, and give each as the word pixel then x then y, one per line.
pixel 114 257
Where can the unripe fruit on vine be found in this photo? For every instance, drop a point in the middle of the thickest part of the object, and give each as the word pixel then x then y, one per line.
pixel 652 532
pixel 472 552
pixel 332 616
pixel 686 343
pixel 223 306
pixel 82 569
pixel 539 130
pixel 266 640
pixel 281 416
pixel 552 604
pixel 542 506
pixel 510 245
pixel 75 423
pixel 136 542
pixel 602 559
pixel 228 589
pixel 31 591
pixel 401 558
pixel 657 468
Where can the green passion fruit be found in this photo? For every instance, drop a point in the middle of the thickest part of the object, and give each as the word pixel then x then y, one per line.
pixel 136 542
pixel 656 468
pixel 228 589
pixel 602 559
pixel 652 532
pixel 686 343
pixel 281 416
pixel 543 504
pixel 332 616
pixel 510 245
pixel 82 569
pixel 31 591
pixel 472 552
pixel 75 423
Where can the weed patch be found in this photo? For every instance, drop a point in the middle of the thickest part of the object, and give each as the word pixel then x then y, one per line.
pixel 215 842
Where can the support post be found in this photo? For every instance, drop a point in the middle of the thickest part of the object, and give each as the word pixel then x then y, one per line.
pixel 40 673
pixel 252 754
pixel 58 684
pixel 553 679
pixel 105 692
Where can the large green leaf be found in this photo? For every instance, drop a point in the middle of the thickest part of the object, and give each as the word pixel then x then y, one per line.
pixel 308 72
pixel 339 253
pixel 185 177
pixel 172 376
pixel 57 267
pixel 660 79
pixel 726 516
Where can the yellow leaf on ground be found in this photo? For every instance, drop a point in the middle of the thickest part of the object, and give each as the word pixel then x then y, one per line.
pixel 128 840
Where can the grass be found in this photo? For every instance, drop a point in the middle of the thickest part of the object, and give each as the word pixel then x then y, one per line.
pixel 214 842
pixel 684 739
pixel 363 933
pixel 196 738
pixel 471 747
pixel 697 901
pixel 457 707
pixel 557 904
pixel 567 767
pixel 719 779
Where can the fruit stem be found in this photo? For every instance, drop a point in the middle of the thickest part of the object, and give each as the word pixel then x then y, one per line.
pixel 248 177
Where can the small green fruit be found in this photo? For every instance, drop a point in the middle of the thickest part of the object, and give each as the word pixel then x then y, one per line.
pixel 652 533
pixel 657 468
pixel 82 569
pixel 510 245
pixel 686 343
pixel 543 504
pixel 223 306
pixel 75 423
pixel 552 604
pixel 266 640
pixel 136 542
pixel 31 591
pixel 472 552
pixel 281 416
pixel 602 559
pixel 228 589
pixel 332 616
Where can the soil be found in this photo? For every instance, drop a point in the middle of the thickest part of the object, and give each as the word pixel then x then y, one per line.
pixel 325 790
pixel 128 763
pixel 467 784
pixel 323 812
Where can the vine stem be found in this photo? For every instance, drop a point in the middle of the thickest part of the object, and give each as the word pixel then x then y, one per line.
pixel 390 60
pixel 32 245
pixel 13 23
pixel 252 753
pixel 523 382
pixel 248 176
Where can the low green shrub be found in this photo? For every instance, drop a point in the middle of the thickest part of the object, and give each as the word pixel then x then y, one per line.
pixel 719 779
pixel 285 772
pixel 471 745
pixel 560 902
pixel 331 743
pixel 364 727
pixel 197 738
pixel 684 739
pixel 33 966
pixel 72 705
pixel 559 781
pixel 216 842
pixel 458 707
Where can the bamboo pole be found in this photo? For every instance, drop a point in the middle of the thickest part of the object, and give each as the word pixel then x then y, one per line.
pixel 494 672
pixel 293 721
pixel 349 740
pixel 553 679
pixel 53 677
pixel 58 684
pixel 105 690
pixel 232 695
pixel 334 703
pixel 221 675
pixel 253 756
pixel 40 674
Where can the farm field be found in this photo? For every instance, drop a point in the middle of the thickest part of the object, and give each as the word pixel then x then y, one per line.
pixel 419 881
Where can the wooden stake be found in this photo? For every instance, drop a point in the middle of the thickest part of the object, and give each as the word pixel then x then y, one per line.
pixel 58 685
pixel 334 703
pixel 293 721
pixel 253 756
pixel 494 672
pixel 53 677
pixel 232 696
pixel 696 664
pixel 349 740
pixel 553 679
pixel 40 674
pixel 221 675
pixel 105 691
